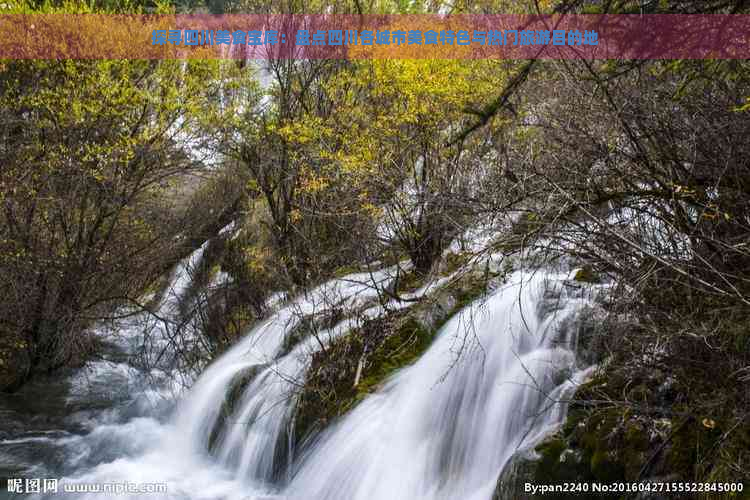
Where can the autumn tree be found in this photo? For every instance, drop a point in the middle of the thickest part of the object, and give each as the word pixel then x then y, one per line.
pixel 88 151
pixel 393 135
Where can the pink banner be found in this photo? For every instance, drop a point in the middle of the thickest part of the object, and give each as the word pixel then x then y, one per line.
pixel 97 36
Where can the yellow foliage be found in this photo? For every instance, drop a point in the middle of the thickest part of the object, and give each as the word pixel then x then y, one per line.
pixel 709 423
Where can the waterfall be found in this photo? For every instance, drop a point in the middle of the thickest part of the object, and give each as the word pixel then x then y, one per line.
pixel 141 335
pixel 247 443
pixel 441 428
pixel 70 423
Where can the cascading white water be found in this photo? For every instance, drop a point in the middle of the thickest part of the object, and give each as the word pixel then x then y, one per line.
pixel 139 335
pixel 101 412
pixel 444 427
pixel 252 443
pixel 247 443
pixel 244 451
pixel 440 429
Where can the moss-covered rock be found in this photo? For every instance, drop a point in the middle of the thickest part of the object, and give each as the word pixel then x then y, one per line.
pixel 606 441
pixel 452 262
pixel 231 401
pixel 591 335
pixel 381 346
pixel 433 313
pixel 519 470
pixel 357 364
pixel 409 282
pixel 586 274
pixel 551 462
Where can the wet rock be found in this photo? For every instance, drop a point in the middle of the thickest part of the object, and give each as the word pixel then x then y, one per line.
pixel 590 335
pixel 519 470
pixel 436 311
pixel 231 400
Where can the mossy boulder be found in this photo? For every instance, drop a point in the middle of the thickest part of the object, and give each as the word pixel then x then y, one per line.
pixel 552 461
pixel 604 441
pixel 231 401
pixel 434 312
pixel 376 350
pixel 381 346
pixel 409 281
pixel 452 262
pixel 519 470
pixel 586 274
pixel 591 334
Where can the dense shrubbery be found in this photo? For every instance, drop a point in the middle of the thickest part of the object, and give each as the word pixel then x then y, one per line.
pixel 92 153
pixel 648 182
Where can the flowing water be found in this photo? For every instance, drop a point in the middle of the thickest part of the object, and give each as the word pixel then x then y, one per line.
pixel 441 428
